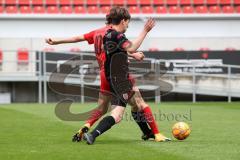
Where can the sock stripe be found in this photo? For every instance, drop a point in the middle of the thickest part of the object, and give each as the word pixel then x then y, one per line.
pixel 104 125
pixel 98 132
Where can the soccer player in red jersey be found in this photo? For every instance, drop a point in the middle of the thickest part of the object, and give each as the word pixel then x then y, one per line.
pixel 140 109
pixel 95 37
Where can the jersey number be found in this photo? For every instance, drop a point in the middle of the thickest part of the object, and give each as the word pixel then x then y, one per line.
pixel 98 44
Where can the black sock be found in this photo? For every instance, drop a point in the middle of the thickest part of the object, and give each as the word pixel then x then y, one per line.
pixel 104 125
pixel 140 120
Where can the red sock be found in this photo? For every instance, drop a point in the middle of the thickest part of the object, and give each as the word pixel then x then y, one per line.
pixel 95 115
pixel 150 119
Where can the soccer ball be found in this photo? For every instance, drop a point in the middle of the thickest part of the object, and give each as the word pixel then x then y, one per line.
pixel 181 130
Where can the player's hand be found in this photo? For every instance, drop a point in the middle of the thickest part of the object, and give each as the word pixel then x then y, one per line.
pixel 149 25
pixel 50 41
pixel 139 56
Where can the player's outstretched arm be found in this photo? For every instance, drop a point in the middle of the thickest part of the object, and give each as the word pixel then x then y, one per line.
pixel 62 41
pixel 134 45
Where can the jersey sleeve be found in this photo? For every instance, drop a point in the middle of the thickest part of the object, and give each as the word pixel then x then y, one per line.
pixel 123 42
pixel 89 37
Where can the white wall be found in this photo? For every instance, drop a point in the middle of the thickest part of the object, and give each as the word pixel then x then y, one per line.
pixel 161 43
pixel 170 32
pixel 28 28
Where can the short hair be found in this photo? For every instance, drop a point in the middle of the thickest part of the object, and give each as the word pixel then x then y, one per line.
pixel 116 15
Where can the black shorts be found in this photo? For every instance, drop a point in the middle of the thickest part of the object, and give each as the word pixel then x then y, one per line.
pixel 121 91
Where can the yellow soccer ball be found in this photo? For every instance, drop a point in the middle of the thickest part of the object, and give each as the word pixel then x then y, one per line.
pixel 181 130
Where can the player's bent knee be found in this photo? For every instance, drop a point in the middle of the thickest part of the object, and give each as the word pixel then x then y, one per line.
pixel 134 108
pixel 117 118
pixel 104 107
pixel 117 113
pixel 142 104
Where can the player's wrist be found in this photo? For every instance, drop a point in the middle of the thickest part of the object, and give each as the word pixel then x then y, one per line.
pixel 145 30
pixel 56 42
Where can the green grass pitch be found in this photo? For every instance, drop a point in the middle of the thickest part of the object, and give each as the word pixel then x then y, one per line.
pixel 32 131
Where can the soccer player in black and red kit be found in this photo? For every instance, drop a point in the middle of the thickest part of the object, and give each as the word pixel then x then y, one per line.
pixel 140 108
pixel 117 47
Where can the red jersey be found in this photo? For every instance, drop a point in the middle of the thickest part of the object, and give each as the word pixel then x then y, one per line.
pixel 96 37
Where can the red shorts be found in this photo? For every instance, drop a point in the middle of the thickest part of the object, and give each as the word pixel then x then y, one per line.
pixel 104 84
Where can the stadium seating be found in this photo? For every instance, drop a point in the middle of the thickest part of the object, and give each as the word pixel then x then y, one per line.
pixel 1 59
pixel 212 2
pixel 132 2
pixel 79 10
pixel 11 9
pixel 135 6
pixel 225 2
pixel 1 56
pixel 65 2
pixel 22 59
pixel 205 55
pixel 228 9
pixel 238 9
pixel 198 2
pixel 204 49
pixel 11 2
pixel 172 2
pixel 175 10
pixel 179 49
pixel 201 9
pixel 52 9
pixel 93 10
pixel 134 9
pixel 24 2
pixel 37 2
pixel 118 2
pixel 147 9
pixel 185 2
pixel 22 55
pixel 105 2
pixel 78 2
pixel 1 9
pixel 39 9
pixel 25 9
pixel 66 9
pixel 188 10
pixel 105 9
pixel 161 9
pixel 51 2
pixel 145 2
pixel 236 2
pixel 158 2
pixel 91 2
pixel 214 9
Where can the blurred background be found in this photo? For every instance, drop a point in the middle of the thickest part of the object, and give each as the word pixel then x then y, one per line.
pixel 198 41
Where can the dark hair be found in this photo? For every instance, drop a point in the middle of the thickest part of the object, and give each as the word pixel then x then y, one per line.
pixel 117 14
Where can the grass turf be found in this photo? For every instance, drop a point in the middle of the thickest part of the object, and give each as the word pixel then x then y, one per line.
pixel 32 131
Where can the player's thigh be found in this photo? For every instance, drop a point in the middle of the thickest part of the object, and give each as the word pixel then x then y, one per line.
pixel 104 101
pixel 117 113
pixel 133 104
pixel 104 85
pixel 137 101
